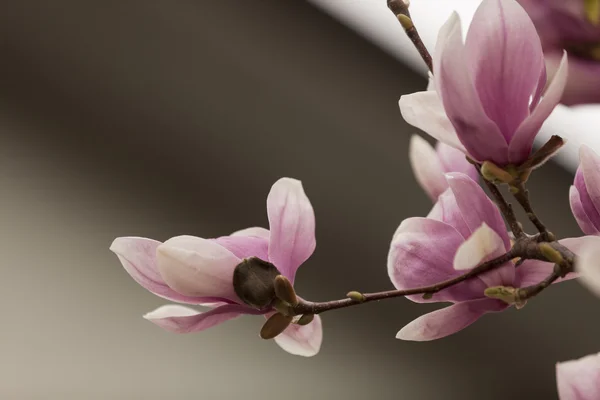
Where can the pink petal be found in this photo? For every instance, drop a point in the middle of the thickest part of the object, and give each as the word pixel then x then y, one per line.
pixel 579 379
pixel 448 320
pixel 506 58
pixel 522 142
pixel 197 267
pixel 179 319
pixel 579 213
pixel 446 210
pixel 454 160
pixel 302 340
pixel 583 85
pixel 253 232
pixel 427 167
pixel 588 262
pixel 476 208
pixel 476 131
pixel 589 189
pixel 424 110
pixel 292 223
pixel 245 246
pixel 138 256
pixel 422 253
pixel 532 272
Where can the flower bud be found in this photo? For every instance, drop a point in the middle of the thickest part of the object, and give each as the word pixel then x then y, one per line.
pixel 356 296
pixel 305 319
pixel 285 291
pixel 275 325
pixel 254 282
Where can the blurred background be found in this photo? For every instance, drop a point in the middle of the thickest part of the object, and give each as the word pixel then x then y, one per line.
pixel 155 119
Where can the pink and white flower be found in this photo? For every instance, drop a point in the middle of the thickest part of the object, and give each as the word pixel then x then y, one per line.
pixel 489 100
pixel 193 270
pixel 463 229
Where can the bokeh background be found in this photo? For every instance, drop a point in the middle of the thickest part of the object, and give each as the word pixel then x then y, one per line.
pixel 156 118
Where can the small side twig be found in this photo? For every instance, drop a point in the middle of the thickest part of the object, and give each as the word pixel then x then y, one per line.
pixel 400 10
pixel 521 194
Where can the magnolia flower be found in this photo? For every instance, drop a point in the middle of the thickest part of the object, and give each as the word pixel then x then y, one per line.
pixel 573 25
pixel 430 165
pixel 463 229
pixel 192 270
pixel 488 100
pixel 579 379
pixel 585 192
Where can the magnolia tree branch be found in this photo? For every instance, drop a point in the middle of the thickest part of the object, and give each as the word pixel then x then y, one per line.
pixel 505 208
pixel 524 248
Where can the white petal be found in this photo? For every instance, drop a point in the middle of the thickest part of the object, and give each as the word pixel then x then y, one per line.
pixel 197 267
pixel 588 263
pixel 483 243
pixel 427 167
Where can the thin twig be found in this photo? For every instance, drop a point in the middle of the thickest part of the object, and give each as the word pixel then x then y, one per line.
pixel 400 10
pixel 521 194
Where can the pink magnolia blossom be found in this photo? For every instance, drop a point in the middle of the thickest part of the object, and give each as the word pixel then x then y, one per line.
pixel 579 379
pixel 565 24
pixel 192 270
pixel 585 192
pixel 463 229
pixel 489 100
pixel 430 165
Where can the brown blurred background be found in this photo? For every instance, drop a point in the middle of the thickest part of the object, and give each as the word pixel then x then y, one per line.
pixel 157 118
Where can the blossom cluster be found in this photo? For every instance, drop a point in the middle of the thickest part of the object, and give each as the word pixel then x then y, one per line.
pixel 489 95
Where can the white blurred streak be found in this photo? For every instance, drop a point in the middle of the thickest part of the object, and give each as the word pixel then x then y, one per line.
pixel 373 20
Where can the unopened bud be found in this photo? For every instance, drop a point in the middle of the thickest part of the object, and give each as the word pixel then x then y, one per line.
pixel 306 319
pixel 551 253
pixel 356 296
pixel 493 173
pixel 276 324
pixel 405 21
pixel 254 282
pixel 507 294
pixel 427 296
pixel 285 291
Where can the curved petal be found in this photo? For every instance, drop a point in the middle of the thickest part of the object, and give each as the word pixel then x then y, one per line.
pixel 245 246
pixel 197 267
pixel 255 231
pixel 522 142
pixel 579 213
pixel 506 58
pixel 579 379
pixel 476 208
pixel 588 264
pixel 446 210
pixel 180 319
pixel 453 160
pixel 424 110
pixel 138 256
pixel 483 244
pixel 422 253
pixel 448 320
pixel 292 226
pixel 583 85
pixel 587 204
pixel 302 340
pixel 427 167
pixel 477 132
pixel 590 170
